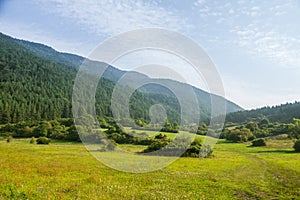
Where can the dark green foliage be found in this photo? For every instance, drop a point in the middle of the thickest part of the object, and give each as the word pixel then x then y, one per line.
pixel 239 134
pixel 171 150
pixel 37 83
pixel 156 145
pixel 205 151
pixel 252 126
pixel 202 129
pixel 38 89
pixel 259 143
pixel 116 134
pixel 43 140
pixel 161 137
pixel 282 113
pixel 170 127
pixel 264 123
pixel 9 139
pixel 194 148
pixel 297 146
pixel 294 129
pixel 32 140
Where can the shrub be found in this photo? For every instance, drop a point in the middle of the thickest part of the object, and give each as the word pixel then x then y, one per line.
pixel 205 151
pixel 239 135
pixel 161 137
pixel 107 145
pixel 156 146
pixel 32 140
pixel 297 146
pixel 9 139
pixel 43 140
pixel 197 141
pixel 258 143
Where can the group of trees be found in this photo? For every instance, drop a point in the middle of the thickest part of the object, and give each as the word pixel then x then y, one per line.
pixel 62 129
pixel 260 129
pixel 257 131
pixel 36 89
pixel 179 145
pixel 284 113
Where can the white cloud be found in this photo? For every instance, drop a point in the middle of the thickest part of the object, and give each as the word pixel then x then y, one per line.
pixel 110 17
pixel 199 2
pixel 281 49
pixel 252 26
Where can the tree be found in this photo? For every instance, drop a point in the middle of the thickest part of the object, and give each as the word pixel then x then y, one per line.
pixel 202 129
pixel 9 139
pixel 205 151
pixel 43 140
pixel 294 129
pixel 264 123
pixel 240 135
pixel 253 126
pixel 297 146
pixel 259 143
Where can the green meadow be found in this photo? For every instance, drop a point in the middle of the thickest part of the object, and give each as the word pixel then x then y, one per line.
pixel 66 170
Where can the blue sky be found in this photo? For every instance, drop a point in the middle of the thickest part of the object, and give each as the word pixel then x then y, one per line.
pixel 254 44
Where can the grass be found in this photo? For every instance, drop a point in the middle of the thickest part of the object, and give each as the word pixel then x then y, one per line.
pixel 67 171
pixel 149 133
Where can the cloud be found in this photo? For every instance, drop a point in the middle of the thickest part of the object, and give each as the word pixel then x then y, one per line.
pixel 279 48
pixel 110 17
pixel 252 26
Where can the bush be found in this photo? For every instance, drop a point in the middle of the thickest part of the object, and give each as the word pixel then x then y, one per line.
pixel 297 146
pixel 156 146
pixel 161 137
pixel 205 151
pixel 106 145
pixel 9 139
pixel 258 143
pixel 32 140
pixel 239 135
pixel 43 140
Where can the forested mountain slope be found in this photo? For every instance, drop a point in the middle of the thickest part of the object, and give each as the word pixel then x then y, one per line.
pixel 114 74
pixel 282 113
pixel 36 83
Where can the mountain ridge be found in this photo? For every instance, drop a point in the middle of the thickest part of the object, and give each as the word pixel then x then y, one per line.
pixel 71 61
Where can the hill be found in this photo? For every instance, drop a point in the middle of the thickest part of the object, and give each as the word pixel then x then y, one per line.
pixel 36 83
pixel 283 113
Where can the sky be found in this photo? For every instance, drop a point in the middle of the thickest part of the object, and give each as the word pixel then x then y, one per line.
pixel 254 44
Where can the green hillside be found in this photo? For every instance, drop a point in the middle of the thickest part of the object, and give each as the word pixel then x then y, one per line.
pixel 33 88
pixel 36 83
pixel 282 113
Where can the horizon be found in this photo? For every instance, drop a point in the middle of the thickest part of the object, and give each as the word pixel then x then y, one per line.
pixel 255 46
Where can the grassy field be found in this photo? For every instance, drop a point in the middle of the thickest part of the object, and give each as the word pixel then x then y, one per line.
pixel 67 171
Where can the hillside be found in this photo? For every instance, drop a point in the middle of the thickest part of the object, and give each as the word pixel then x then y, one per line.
pixel 33 88
pixel 113 74
pixel 36 83
pixel 283 113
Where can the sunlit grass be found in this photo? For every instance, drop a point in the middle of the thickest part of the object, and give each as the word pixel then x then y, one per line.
pixel 67 171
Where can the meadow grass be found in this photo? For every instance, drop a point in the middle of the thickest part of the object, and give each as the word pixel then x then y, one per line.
pixel 149 133
pixel 67 171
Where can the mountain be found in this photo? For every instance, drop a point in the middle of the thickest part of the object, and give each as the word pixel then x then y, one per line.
pixel 283 113
pixel 36 83
pixel 113 74
pixel 33 88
